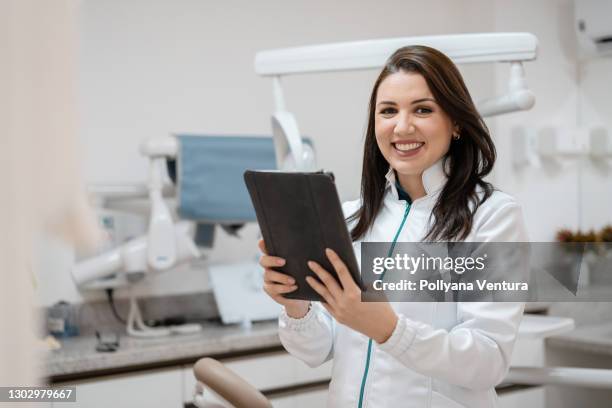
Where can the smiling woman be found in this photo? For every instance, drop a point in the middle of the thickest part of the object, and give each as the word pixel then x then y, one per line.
pixel 412 131
pixel 426 153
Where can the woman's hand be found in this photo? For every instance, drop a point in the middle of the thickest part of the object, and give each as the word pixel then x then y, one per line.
pixel 377 320
pixel 277 284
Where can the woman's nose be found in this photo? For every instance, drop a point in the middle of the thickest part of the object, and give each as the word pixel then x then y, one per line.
pixel 404 125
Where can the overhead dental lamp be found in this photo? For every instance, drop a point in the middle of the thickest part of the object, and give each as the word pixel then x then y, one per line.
pixel 511 48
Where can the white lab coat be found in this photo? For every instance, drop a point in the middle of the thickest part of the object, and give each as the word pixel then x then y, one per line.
pixel 440 354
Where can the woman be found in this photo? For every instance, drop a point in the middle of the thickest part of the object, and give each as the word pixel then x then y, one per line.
pixel 426 153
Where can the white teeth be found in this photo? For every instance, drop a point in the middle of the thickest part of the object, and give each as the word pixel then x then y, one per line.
pixel 408 146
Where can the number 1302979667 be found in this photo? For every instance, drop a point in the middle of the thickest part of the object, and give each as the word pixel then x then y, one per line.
pixel 41 394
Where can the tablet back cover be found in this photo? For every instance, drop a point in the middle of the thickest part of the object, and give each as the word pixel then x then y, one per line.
pixel 300 215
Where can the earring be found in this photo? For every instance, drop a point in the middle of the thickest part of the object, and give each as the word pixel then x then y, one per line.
pixel 456 135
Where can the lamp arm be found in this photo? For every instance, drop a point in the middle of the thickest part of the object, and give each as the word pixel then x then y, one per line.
pixel 519 96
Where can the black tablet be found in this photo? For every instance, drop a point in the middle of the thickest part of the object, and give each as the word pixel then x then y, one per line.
pixel 300 215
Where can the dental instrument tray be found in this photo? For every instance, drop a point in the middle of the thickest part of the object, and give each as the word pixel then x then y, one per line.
pixel 300 215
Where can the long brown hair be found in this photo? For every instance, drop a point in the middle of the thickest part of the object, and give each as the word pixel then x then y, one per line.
pixel 469 159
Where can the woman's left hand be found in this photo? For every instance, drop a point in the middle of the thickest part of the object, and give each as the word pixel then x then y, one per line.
pixel 377 320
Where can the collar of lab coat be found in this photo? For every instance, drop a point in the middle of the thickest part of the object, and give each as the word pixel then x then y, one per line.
pixel 434 178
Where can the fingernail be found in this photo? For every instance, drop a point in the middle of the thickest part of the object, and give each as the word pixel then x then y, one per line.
pixel 280 262
pixel 291 281
pixel 310 264
pixel 328 251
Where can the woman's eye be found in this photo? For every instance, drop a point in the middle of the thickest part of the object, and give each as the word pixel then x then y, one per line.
pixel 388 111
pixel 423 110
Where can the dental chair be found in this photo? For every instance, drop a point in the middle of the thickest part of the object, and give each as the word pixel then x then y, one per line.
pixel 226 384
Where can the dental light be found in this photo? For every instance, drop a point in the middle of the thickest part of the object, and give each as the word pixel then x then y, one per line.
pixel 512 48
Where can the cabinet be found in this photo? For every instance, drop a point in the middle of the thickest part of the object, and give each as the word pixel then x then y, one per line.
pixel 151 389
pixel 532 398
pixel 306 399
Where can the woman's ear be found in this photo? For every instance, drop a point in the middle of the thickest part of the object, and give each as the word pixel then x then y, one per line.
pixel 456 132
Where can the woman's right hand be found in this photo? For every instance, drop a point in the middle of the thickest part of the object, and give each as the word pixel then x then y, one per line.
pixel 277 283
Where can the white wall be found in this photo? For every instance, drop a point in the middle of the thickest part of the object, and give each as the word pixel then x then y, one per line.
pixel 595 109
pixel 549 200
pixel 154 67
pixel 580 194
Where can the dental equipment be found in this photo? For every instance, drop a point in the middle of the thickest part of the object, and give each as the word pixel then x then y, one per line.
pixel 208 196
pixel 166 244
pixel 512 48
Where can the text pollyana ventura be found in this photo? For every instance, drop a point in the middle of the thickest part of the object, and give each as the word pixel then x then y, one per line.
pixel 441 285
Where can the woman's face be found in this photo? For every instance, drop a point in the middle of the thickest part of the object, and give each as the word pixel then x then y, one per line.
pixel 412 131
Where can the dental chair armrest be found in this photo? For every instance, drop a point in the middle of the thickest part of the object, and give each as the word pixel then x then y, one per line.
pixel 228 384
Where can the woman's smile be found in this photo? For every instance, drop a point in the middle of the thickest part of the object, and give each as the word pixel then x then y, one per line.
pixel 405 149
